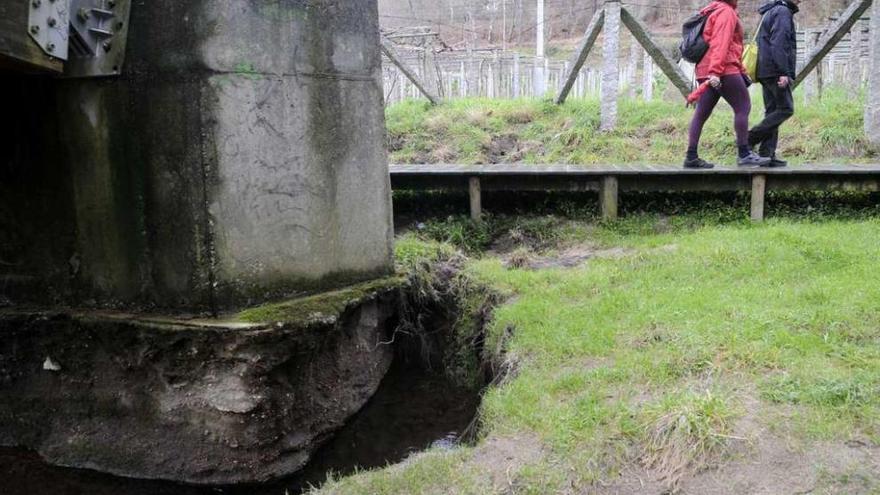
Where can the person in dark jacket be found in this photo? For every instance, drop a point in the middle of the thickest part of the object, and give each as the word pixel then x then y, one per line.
pixel 777 62
pixel 722 69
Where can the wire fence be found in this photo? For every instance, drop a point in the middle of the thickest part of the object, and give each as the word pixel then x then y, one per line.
pixel 495 73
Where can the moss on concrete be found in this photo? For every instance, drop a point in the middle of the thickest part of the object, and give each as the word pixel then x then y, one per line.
pixel 324 305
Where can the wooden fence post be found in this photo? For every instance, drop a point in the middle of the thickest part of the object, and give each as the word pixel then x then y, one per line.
pixel 473 84
pixel 648 77
pixel 759 190
pixel 632 69
pixel 834 34
pixel 546 73
pixel 515 83
pixel 608 196
pixel 811 89
pixel 820 69
pixel 476 197
pixel 872 105
pixel 462 80
pixel 491 87
pixel 400 90
pixel 669 68
pixel 580 55
pixel 610 64
pixel 433 81
pixel 389 51
pixel 579 85
pixel 854 67
pixel 539 80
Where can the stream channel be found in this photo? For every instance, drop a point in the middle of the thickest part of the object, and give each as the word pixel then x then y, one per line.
pixel 412 410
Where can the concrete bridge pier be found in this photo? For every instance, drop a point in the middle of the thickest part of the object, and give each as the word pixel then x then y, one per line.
pixel 238 159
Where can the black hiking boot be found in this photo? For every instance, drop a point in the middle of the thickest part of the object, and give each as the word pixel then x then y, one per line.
pixel 698 163
pixel 753 160
pixel 776 163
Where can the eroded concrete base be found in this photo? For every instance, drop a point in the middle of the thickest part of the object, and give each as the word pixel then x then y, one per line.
pixel 207 402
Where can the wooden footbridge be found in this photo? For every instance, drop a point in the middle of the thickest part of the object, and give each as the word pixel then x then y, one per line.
pixel 610 180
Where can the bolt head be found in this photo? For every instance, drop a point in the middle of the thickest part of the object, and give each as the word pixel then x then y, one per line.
pixel 111 4
pixel 35 29
pixel 107 46
pixel 50 47
pixel 36 4
pixel 52 22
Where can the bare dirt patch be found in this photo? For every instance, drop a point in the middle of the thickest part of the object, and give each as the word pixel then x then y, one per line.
pixel 772 466
pixel 443 154
pixel 503 149
pixel 760 461
pixel 501 458
pixel 570 257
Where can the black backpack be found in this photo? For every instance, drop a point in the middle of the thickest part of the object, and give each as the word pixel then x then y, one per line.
pixel 693 47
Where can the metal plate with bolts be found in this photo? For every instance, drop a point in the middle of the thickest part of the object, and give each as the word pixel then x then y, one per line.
pixel 98 35
pixel 49 24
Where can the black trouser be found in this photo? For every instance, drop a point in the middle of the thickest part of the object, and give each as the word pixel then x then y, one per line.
pixel 779 107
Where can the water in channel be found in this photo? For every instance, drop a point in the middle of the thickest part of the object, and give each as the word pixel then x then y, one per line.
pixel 413 410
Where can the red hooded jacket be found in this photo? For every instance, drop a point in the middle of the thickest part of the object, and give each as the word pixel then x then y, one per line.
pixel 724 33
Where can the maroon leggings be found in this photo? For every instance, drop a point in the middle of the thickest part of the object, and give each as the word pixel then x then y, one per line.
pixel 734 91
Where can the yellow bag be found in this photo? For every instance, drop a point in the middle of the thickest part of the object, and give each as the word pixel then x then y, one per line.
pixel 750 60
pixel 750 54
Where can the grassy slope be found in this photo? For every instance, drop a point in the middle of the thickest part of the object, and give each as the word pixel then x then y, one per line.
pixel 655 359
pixel 462 131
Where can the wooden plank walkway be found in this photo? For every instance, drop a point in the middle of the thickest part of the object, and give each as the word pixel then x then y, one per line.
pixel 610 180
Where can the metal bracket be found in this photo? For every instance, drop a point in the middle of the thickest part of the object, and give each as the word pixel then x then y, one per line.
pixel 98 35
pixel 49 26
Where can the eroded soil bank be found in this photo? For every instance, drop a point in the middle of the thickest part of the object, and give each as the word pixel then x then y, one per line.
pixel 420 382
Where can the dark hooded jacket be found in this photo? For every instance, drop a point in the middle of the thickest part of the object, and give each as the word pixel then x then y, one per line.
pixel 777 45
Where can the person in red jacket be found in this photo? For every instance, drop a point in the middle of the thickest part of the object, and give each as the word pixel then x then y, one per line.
pixel 722 68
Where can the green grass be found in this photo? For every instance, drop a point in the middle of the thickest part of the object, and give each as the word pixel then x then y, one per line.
pixel 472 131
pixel 654 358
pixel 543 220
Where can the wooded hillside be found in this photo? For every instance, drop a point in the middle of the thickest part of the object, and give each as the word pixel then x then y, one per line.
pixel 493 22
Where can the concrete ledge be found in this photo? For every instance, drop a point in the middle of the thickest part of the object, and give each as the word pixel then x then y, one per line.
pixel 245 398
